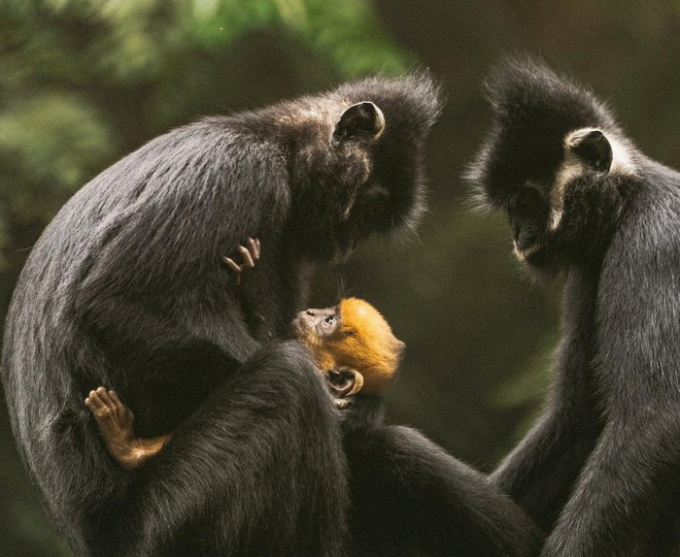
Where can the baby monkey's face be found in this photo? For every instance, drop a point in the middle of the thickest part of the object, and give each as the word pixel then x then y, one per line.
pixel 352 345
pixel 313 326
pixel 319 330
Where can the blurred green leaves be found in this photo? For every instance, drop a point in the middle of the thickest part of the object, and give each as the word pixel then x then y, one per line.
pixel 55 142
pixel 347 31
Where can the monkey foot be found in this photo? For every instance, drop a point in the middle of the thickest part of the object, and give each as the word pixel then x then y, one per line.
pixel 115 421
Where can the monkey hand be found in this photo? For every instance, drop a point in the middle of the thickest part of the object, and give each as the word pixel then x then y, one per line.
pixel 116 425
pixel 361 412
pixel 250 254
pixel 342 403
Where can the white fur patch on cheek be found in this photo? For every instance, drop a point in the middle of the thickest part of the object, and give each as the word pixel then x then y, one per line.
pixel 570 170
pixel 555 219
pixel 622 162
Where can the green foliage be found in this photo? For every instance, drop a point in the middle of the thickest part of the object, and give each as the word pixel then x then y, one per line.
pixel 69 65
pixel 55 142
pixel 347 31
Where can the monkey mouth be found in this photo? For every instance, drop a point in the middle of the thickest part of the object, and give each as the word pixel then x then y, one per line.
pixel 301 330
pixel 527 253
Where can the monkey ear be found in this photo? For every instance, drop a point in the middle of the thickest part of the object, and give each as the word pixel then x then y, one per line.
pixel 400 349
pixel 363 119
pixel 344 382
pixel 594 149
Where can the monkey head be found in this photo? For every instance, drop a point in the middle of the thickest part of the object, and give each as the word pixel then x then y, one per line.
pixel 354 157
pixel 556 162
pixel 352 345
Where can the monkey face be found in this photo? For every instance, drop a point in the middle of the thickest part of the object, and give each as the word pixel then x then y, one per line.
pixel 314 325
pixel 354 337
pixel 543 217
pixel 556 163
pixel 356 162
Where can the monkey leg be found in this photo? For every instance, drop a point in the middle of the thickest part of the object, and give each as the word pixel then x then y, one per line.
pixel 410 497
pixel 115 421
pixel 257 470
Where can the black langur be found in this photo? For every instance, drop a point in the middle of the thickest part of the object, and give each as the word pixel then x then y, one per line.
pixel 126 288
pixel 352 345
pixel 600 469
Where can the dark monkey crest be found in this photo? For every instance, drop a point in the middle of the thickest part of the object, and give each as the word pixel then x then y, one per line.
pixel 126 289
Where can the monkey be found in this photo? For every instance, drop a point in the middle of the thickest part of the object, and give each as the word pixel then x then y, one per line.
pixel 125 287
pixel 600 469
pixel 351 344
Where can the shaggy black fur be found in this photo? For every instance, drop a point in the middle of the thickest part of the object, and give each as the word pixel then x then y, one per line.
pixel 409 497
pixel 126 289
pixel 601 467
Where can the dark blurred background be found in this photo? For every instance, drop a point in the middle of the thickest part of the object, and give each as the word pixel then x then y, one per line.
pixel 83 82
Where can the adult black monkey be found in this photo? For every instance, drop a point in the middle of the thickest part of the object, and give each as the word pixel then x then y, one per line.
pixel 601 468
pixel 126 288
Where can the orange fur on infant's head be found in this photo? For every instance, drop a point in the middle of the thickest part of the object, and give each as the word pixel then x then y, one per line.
pixel 352 337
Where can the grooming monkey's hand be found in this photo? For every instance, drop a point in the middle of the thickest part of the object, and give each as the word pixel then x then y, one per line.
pixel 250 254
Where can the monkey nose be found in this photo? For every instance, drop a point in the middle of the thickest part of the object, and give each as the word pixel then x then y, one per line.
pixel 525 239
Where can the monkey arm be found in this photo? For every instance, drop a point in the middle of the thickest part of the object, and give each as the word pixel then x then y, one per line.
pixel 631 475
pixel 409 493
pixel 618 499
pixel 254 436
pixel 540 472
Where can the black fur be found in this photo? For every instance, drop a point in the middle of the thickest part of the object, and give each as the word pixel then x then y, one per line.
pixel 126 289
pixel 409 497
pixel 601 468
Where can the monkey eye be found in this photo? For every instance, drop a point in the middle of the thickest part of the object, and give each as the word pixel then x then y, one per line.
pixel 329 320
pixel 348 332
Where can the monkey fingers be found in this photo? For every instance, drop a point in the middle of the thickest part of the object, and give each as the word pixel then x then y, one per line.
pixel 254 247
pixel 250 255
pixel 248 261
pixel 342 403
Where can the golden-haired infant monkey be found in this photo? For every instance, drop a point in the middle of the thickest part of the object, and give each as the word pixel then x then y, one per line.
pixel 351 344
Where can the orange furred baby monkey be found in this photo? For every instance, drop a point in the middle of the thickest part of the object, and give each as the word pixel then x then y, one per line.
pixel 351 344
